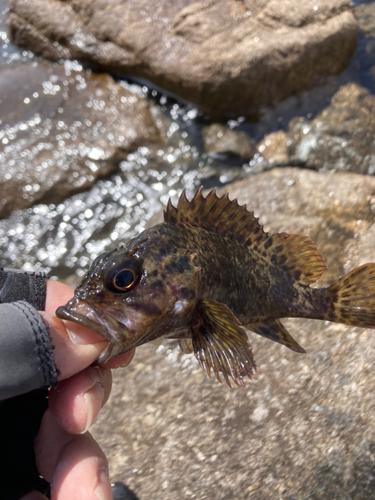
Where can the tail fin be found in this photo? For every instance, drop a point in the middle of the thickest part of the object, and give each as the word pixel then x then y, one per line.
pixel 352 298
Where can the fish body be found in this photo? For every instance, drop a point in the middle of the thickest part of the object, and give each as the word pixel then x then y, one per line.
pixel 205 276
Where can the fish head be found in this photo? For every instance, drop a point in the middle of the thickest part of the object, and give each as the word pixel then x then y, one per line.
pixel 137 293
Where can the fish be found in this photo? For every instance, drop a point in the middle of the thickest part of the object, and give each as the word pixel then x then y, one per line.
pixel 206 276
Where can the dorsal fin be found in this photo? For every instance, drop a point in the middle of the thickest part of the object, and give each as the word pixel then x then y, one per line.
pixel 218 214
pixel 295 253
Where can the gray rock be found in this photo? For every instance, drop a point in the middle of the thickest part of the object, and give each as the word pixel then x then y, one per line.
pixel 226 57
pixel 218 139
pixel 306 426
pixel 341 137
pixel 62 129
pixel 365 16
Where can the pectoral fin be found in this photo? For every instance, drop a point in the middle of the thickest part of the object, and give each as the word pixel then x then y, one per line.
pixel 274 330
pixel 221 344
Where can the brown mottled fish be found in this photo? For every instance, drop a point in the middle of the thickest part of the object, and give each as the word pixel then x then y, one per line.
pixel 204 276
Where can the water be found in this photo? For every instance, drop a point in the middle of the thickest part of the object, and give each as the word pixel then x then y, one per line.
pixel 62 238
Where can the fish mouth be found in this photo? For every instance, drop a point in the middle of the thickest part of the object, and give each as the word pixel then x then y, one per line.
pixel 92 317
pixel 64 313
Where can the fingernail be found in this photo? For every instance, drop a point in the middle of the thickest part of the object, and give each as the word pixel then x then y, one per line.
pixel 103 489
pixel 95 394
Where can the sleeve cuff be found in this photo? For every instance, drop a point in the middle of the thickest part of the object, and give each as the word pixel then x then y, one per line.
pixel 26 353
pixel 20 285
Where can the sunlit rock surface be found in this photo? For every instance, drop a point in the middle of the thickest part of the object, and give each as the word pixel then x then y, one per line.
pixel 273 149
pixel 305 427
pixel 63 128
pixel 228 57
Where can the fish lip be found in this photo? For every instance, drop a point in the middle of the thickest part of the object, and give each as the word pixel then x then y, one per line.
pixel 64 312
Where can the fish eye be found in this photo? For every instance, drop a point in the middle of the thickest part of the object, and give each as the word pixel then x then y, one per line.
pixel 123 276
pixel 124 280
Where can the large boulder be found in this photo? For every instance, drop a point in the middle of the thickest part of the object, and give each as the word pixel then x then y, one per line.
pixel 62 129
pixel 228 57
pixel 306 425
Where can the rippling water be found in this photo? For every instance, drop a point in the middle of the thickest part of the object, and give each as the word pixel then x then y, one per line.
pixel 63 238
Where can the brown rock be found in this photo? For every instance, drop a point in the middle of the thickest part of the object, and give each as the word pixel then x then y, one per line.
pixel 305 427
pixel 62 129
pixel 228 57
pixel 273 148
pixel 218 139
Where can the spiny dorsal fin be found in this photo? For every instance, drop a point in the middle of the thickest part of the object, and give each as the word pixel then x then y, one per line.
pixel 297 254
pixel 218 214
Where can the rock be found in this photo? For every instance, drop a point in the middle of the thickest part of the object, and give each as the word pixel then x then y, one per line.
pixel 218 139
pixel 306 425
pixel 273 148
pixel 62 129
pixel 365 16
pixel 228 57
pixel 341 137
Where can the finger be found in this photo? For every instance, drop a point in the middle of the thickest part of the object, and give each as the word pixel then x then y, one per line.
pixel 57 294
pixel 76 402
pixel 74 464
pixel 76 346
pixel 82 472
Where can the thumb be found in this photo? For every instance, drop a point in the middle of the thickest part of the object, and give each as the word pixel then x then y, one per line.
pixel 75 346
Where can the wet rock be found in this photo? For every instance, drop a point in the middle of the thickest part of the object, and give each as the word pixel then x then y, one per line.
pixel 306 425
pixel 341 137
pixel 226 57
pixel 61 129
pixel 273 148
pixel 365 16
pixel 218 139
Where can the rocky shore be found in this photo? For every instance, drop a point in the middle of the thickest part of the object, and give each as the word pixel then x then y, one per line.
pixel 229 58
pixel 268 101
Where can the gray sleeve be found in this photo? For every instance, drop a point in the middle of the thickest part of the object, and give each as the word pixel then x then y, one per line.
pixel 21 285
pixel 26 359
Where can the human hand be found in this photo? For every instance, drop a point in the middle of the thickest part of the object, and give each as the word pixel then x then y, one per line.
pixel 67 456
